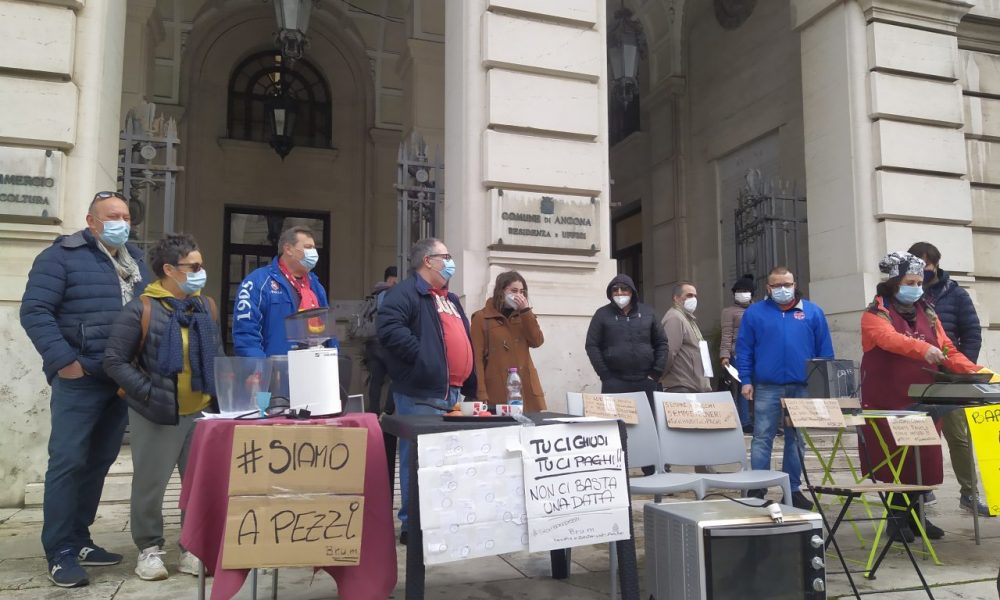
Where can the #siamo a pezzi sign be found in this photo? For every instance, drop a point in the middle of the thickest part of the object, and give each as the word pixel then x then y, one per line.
pixel 530 220
pixel 30 182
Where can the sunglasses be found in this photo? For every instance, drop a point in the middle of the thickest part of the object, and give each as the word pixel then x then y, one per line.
pixel 106 195
pixel 195 267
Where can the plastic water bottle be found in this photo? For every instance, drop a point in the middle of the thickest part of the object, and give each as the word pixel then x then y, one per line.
pixel 514 396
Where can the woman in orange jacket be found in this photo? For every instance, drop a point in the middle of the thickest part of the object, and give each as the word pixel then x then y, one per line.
pixel 503 333
pixel 903 344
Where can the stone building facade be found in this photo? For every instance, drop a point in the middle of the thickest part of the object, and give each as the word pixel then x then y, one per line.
pixel 884 115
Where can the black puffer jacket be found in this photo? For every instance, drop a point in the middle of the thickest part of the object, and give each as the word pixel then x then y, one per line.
pixel 152 395
pixel 958 315
pixel 629 346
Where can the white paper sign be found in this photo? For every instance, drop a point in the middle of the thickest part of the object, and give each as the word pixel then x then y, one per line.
pixel 575 485
pixel 471 494
pixel 706 360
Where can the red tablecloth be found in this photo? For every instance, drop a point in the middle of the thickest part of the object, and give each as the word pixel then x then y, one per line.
pixel 204 499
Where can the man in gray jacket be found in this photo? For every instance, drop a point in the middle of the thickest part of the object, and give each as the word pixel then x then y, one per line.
pixel 685 372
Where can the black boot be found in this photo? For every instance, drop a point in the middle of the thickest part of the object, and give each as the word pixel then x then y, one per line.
pixel 898 528
pixel 933 531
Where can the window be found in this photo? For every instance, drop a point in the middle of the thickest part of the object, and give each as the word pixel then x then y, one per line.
pixel 263 76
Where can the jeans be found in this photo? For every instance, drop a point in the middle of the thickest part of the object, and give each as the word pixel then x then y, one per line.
pixel 413 405
pixel 88 423
pixel 767 417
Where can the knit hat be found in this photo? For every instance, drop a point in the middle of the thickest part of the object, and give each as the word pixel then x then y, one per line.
pixel 901 263
pixel 744 284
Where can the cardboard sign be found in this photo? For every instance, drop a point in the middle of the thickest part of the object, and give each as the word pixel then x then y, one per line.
pixel 575 485
pixel 984 427
pixel 821 413
pixel 700 414
pixel 270 459
pixel 316 530
pixel 611 407
pixel 914 431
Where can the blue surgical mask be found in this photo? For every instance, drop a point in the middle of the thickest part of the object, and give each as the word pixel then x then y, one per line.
pixel 115 233
pixel 448 270
pixel 310 258
pixel 783 295
pixel 908 294
pixel 194 282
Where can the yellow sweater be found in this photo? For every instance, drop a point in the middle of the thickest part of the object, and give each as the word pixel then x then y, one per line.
pixel 188 400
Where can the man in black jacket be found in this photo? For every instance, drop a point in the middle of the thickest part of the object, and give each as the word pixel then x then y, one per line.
pixel 958 317
pixel 626 343
pixel 426 345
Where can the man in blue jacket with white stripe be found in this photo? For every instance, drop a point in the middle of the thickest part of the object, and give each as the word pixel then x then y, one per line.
pixel 270 294
pixel 777 337
pixel 76 288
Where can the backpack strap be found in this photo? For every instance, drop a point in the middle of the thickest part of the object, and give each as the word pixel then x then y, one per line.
pixel 212 308
pixel 147 314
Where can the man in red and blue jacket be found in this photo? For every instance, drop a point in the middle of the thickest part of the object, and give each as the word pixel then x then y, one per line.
pixel 777 337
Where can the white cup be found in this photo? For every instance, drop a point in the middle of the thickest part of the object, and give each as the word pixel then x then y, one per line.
pixel 472 408
pixel 509 410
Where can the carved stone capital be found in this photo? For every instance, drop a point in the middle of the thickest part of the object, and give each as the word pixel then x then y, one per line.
pixel 938 15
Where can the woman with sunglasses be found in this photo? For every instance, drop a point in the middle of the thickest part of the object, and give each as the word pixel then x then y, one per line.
pixel 161 352
pixel 503 333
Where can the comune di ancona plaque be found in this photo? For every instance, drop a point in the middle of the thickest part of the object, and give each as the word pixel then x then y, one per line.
pixel 552 222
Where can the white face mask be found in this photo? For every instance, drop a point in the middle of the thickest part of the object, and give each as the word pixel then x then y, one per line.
pixel 510 301
pixel 690 304
pixel 743 297
pixel 622 301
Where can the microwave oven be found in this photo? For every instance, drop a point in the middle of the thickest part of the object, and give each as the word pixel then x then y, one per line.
pixel 723 550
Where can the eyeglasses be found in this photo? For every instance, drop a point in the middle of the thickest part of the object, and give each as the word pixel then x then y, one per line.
pixel 106 195
pixel 195 267
pixel 787 286
pixel 621 288
pixel 441 256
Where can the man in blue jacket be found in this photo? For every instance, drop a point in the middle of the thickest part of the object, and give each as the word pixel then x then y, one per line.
pixel 271 293
pixel 777 337
pixel 426 345
pixel 76 288
pixel 960 321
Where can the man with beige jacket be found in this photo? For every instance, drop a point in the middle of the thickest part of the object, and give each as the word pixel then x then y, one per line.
pixel 685 371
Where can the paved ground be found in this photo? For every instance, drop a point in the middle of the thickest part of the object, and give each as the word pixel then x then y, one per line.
pixel 969 571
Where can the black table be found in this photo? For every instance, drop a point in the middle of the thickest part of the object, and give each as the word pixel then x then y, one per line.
pixel 411 426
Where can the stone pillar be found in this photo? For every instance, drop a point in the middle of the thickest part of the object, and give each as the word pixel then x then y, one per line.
pixel 60 86
pixel 526 113
pixel 143 30
pixel 885 155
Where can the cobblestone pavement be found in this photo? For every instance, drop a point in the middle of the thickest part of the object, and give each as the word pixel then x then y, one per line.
pixel 969 571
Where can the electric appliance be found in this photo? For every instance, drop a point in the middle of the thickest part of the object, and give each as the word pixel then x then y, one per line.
pixel 722 550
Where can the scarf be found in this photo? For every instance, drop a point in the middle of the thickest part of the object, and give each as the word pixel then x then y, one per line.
pixel 307 297
pixel 129 275
pixel 192 314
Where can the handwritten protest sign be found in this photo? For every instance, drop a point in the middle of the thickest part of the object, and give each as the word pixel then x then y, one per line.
pixel 821 413
pixel 914 431
pixel 984 427
pixel 471 494
pixel 575 486
pixel 310 530
pixel 299 458
pixel 295 496
pixel 695 413
pixel 611 407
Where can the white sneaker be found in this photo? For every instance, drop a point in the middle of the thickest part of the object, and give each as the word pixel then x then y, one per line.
pixel 149 566
pixel 189 563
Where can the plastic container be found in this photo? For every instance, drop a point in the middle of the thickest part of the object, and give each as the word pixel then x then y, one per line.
pixel 237 381
pixel 310 328
pixel 514 396
pixel 279 377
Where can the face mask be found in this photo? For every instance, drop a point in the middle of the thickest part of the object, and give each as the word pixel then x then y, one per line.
pixel 194 282
pixel 742 297
pixel 690 304
pixel 115 233
pixel 622 301
pixel 448 270
pixel 783 295
pixel 310 256
pixel 508 299
pixel 908 294
pixel 929 276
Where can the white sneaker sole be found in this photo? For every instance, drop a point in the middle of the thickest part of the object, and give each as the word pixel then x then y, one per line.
pixel 153 577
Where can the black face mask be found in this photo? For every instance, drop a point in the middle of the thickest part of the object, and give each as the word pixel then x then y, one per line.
pixel 929 276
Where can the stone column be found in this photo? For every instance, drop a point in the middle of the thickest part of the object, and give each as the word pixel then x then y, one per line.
pixel 884 151
pixel 60 86
pixel 143 30
pixel 526 113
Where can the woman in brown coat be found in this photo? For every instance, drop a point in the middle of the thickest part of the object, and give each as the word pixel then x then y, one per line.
pixel 502 334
